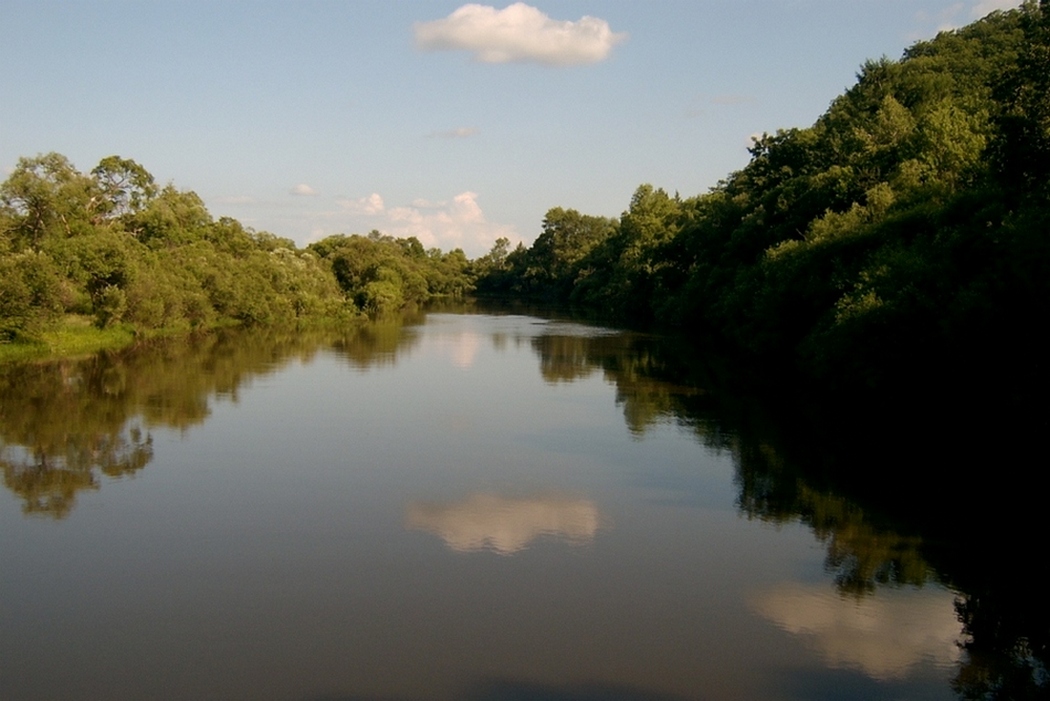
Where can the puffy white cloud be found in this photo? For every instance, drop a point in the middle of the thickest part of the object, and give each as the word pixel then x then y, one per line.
pixel 460 133
pixel 371 205
pixel 457 224
pixel 519 32
pixel 303 190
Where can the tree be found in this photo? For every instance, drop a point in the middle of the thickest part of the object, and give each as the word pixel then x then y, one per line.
pixel 125 186
pixel 46 197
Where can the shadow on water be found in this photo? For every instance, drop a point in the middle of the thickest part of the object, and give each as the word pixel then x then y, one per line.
pixel 930 489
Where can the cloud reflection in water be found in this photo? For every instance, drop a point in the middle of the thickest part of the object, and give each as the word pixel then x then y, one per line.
pixel 505 525
pixel 884 635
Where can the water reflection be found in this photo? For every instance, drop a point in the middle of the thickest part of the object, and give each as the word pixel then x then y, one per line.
pixel 67 427
pixel 843 473
pixel 885 636
pixel 505 525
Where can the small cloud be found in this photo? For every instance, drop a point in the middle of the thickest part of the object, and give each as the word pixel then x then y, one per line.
pixel 303 190
pixel 371 205
pixel 518 33
pixel 461 133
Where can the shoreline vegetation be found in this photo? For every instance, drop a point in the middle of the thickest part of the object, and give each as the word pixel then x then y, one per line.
pixel 898 245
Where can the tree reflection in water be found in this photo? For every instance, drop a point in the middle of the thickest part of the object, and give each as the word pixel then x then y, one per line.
pixel 849 475
pixel 65 426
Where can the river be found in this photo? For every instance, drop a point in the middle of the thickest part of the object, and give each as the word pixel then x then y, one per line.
pixel 472 506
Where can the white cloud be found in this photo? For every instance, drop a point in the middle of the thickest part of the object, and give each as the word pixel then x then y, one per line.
pixel 303 190
pixel 460 133
pixel 371 205
pixel 521 33
pixel 458 223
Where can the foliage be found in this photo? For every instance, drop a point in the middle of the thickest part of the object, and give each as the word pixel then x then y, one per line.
pixel 382 274
pixel 113 246
pixel 901 236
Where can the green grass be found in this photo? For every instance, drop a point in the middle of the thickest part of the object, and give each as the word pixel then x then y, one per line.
pixel 74 336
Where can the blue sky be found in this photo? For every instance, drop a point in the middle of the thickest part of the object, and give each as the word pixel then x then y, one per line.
pixel 454 123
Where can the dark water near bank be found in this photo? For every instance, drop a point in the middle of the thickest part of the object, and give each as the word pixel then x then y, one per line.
pixel 457 506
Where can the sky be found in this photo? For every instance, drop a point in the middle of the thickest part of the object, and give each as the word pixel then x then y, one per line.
pixel 455 123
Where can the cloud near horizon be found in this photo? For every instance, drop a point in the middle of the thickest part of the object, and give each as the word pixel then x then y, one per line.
pixel 302 190
pixel 371 205
pixel 518 33
pixel 459 223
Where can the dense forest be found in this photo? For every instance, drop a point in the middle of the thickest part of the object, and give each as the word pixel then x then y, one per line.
pixel 902 235
pixel 112 246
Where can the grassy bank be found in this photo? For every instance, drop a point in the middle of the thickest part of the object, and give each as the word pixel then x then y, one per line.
pixel 73 336
pixel 76 336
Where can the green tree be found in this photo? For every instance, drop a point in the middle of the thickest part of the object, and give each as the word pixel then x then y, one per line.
pixel 124 186
pixel 46 197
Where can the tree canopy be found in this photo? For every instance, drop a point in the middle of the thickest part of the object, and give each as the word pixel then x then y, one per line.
pixel 906 229
pixel 113 245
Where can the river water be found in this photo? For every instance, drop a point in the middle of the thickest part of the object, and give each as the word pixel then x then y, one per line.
pixel 454 506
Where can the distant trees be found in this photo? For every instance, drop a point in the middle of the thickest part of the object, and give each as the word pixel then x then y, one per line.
pixel 381 273
pixel 555 262
pixel 113 245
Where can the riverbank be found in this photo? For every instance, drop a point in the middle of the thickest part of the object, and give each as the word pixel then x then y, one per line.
pixel 75 336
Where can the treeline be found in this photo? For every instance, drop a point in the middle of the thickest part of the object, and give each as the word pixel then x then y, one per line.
pixel 114 246
pixel 903 234
pixel 908 228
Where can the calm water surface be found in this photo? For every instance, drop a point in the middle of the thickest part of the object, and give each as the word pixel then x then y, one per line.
pixel 467 506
